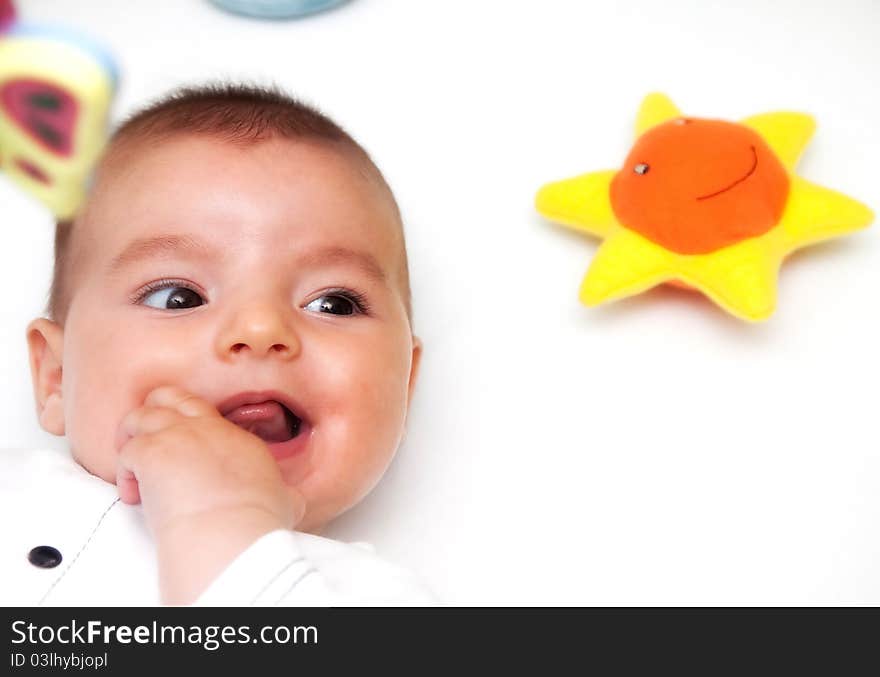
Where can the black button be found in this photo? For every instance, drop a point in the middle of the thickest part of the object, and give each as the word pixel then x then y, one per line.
pixel 45 557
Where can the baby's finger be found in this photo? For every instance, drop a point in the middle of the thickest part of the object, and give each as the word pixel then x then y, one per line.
pixel 137 461
pixel 148 420
pixel 185 402
pixel 144 455
pixel 127 486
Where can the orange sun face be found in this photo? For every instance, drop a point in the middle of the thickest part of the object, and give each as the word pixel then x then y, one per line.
pixel 694 186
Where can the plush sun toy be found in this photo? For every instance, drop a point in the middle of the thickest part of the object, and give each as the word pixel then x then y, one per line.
pixel 701 203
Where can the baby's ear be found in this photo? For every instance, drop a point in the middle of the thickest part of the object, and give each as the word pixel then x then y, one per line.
pixel 414 368
pixel 45 344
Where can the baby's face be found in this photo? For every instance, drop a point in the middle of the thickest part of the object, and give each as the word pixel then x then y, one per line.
pixel 275 267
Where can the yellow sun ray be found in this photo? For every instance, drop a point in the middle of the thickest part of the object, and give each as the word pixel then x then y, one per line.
pixel 626 264
pixel 655 109
pixel 740 277
pixel 815 213
pixel 786 133
pixel 580 203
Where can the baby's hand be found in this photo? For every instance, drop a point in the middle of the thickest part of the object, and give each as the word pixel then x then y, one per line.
pixel 209 488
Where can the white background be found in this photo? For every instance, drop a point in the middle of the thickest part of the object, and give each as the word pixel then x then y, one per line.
pixel 652 452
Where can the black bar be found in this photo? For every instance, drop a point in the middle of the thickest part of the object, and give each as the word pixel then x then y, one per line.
pixel 419 640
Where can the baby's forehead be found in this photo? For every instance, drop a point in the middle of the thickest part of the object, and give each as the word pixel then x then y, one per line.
pixel 164 153
pixel 188 168
pixel 290 190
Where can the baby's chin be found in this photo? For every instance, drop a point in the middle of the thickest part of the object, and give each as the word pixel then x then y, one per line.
pixel 102 466
pixel 319 511
pixel 318 519
pixel 324 503
pixel 309 525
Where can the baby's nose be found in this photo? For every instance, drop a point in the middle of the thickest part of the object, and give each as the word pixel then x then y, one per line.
pixel 261 330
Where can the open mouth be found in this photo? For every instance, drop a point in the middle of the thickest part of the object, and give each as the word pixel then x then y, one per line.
pixel 270 419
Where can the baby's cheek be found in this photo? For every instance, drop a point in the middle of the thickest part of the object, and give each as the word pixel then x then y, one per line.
pixel 109 368
pixel 92 388
pixel 376 386
pixel 359 432
pixel 377 415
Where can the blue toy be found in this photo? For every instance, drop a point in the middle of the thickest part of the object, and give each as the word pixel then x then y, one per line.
pixel 276 9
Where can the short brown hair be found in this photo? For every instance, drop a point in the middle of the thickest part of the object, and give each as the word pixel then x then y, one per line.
pixel 234 113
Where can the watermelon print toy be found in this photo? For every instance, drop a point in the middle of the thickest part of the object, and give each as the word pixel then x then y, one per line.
pixel 55 94
pixel 7 14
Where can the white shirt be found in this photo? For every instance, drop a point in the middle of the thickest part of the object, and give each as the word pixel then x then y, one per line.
pixel 109 559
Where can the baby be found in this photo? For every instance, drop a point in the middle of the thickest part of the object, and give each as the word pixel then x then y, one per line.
pixel 229 343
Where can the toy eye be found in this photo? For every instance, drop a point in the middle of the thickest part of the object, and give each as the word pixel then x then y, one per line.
pixel 641 168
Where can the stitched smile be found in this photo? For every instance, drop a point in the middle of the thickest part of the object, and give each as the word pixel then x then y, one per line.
pixel 739 180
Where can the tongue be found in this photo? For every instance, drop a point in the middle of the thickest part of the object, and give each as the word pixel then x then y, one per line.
pixel 265 420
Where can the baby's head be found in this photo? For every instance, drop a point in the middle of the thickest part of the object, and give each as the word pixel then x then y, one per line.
pixel 235 242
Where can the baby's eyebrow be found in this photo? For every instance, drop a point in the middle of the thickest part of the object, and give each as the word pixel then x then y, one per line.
pixel 324 256
pixel 179 246
pixel 158 247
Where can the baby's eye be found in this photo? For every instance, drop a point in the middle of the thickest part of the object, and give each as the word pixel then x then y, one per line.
pixel 172 297
pixel 335 304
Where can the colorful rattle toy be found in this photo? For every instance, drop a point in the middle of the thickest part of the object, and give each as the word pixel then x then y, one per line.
pixel 701 203
pixel 55 95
